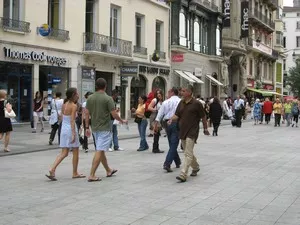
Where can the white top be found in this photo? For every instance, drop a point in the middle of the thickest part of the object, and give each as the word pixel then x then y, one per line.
pixel 83 105
pixel 168 108
pixel 238 103
pixel 158 105
pixel 56 106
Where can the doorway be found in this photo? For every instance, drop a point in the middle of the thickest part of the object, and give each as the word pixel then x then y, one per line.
pixel 108 77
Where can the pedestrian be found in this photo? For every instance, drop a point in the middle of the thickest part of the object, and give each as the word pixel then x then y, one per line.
pixel 69 139
pixel 5 123
pixel 288 112
pixel 295 112
pixel 257 109
pixel 277 107
pixel 154 106
pixel 239 107
pixel 142 122
pixel 189 112
pixel 85 143
pixel 54 121
pixel 165 113
pixel 115 139
pixel 267 110
pixel 215 115
pixel 99 107
pixel 38 114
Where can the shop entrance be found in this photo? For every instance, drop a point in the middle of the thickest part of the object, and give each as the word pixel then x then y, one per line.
pixel 138 88
pixel 16 80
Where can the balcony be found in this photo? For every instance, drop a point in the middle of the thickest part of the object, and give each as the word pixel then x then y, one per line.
pixel 109 46
pixel 59 34
pixel 262 49
pixel 162 55
pixel 139 50
pixel 14 25
pixel 273 4
pixel 259 19
pixel 208 5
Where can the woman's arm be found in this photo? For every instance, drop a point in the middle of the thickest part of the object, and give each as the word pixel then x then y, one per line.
pixel 73 117
pixel 152 105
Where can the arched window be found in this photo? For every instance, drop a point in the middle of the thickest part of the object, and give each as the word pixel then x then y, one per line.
pixel 218 40
pixel 205 36
pixel 182 28
pixel 197 45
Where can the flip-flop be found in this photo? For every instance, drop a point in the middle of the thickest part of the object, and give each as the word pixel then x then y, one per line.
pixel 94 180
pixel 79 176
pixel 112 173
pixel 51 177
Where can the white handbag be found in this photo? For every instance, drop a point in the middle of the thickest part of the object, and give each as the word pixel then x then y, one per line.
pixel 7 114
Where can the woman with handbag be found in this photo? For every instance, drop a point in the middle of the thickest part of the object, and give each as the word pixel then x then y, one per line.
pixel 142 122
pixel 54 121
pixel 5 122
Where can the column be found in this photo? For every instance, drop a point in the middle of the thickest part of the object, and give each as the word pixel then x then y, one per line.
pixel 35 79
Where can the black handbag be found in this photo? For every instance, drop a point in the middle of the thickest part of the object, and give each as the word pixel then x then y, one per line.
pixel 137 120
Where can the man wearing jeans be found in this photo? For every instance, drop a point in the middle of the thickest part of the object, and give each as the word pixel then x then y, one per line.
pixel 189 112
pixel 165 113
pixel 115 139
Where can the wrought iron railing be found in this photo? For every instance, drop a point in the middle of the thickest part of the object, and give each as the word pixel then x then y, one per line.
pixel 140 50
pixel 107 44
pixel 15 25
pixel 162 55
pixel 254 13
pixel 59 34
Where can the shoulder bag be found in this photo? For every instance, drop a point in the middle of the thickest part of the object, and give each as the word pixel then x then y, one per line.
pixel 7 114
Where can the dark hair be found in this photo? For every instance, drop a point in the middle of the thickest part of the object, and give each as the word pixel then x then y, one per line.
pixel 70 93
pixel 100 84
pixel 88 94
pixel 198 96
pixel 38 92
pixel 144 97
pixel 58 94
pixel 114 92
pixel 216 100
pixel 175 90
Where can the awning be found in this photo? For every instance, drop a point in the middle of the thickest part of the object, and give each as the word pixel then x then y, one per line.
pixel 213 80
pixel 197 80
pixel 192 79
pixel 263 92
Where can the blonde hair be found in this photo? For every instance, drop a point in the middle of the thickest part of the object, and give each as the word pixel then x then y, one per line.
pixel 3 93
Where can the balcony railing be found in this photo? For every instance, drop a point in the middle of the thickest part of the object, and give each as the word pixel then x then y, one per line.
pixel 162 55
pixel 58 34
pixel 254 13
pixel 140 50
pixel 15 25
pixel 107 44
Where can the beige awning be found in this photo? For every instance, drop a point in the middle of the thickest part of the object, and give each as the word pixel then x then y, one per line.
pixel 213 80
pixel 197 80
pixel 184 76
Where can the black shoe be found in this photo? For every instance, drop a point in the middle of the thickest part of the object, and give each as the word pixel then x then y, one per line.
pixel 181 178
pixel 150 135
pixel 50 142
pixel 168 169
pixel 157 151
pixel 194 173
pixel 178 165
pixel 213 133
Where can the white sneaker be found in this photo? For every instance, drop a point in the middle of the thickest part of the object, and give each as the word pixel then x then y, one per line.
pixel 110 150
pixel 120 149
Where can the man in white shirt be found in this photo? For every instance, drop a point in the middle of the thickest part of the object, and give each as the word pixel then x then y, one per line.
pixel 239 106
pixel 165 113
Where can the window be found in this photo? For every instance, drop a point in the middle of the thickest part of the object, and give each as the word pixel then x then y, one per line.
pixel 297 41
pixel 279 38
pixel 284 65
pixel 182 29
pixel 218 40
pixel 251 67
pixel 298 14
pixel 11 9
pixel 114 26
pixel 270 77
pixel 53 14
pixel 158 36
pixel 204 37
pixel 298 25
pixel 284 26
pixel 265 75
pixel 284 42
pixel 138 31
pixel 283 14
pixel 197 45
pixel 89 16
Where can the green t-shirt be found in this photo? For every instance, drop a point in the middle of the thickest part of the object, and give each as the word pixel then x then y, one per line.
pixel 287 107
pixel 100 106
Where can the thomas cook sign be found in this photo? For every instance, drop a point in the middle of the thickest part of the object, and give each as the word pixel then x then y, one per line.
pixel 35 56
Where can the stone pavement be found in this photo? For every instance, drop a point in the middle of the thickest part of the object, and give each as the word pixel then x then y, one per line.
pixel 23 141
pixel 248 176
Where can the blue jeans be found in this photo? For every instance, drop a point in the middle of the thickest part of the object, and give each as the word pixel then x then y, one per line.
pixel 173 139
pixel 115 139
pixel 142 126
pixel 288 117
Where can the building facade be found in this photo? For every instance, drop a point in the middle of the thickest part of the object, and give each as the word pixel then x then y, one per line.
pixel 291 39
pixel 249 46
pixel 196 58
pixel 44 47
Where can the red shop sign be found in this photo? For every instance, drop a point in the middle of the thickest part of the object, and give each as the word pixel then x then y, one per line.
pixel 250 83
pixel 268 87
pixel 177 58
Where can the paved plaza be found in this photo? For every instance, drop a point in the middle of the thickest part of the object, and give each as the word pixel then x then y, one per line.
pixel 248 176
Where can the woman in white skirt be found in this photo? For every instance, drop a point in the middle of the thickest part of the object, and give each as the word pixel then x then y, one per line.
pixel 69 139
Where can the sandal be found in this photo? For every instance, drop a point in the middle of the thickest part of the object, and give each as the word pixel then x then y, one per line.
pixel 112 173
pixel 94 179
pixel 6 150
pixel 51 176
pixel 79 176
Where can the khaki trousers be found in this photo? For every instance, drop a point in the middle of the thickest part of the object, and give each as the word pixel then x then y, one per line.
pixel 189 158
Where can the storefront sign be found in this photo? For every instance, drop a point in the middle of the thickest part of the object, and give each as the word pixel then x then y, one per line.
pixel 44 30
pixel 268 87
pixel 261 47
pixel 177 58
pixel 56 80
pixel 244 19
pixel 35 56
pixel 153 70
pixel 129 71
pixel 226 12
pixel 250 83
pixel 88 73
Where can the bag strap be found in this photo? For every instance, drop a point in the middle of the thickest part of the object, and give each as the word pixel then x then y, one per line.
pixel 56 109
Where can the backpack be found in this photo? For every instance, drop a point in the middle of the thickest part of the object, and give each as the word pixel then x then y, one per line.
pixel 150 97
pixel 295 110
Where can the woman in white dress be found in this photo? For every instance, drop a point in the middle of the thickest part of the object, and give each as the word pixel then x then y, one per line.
pixel 54 121
pixel 69 138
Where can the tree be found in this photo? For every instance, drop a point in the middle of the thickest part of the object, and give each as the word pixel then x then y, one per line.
pixel 293 79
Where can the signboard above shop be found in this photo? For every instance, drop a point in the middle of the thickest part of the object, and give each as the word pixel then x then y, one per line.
pixel 129 70
pixel 88 73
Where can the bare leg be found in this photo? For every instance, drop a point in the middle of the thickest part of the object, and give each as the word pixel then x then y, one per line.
pixel 104 162
pixel 42 122
pixel 75 152
pixel 6 139
pixel 64 153
pixel 35 119
pixel 95 164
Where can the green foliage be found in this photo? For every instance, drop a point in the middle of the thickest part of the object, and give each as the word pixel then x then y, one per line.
pixel 293 79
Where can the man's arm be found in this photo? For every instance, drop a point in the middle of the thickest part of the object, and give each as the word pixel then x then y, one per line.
pixel 116 116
